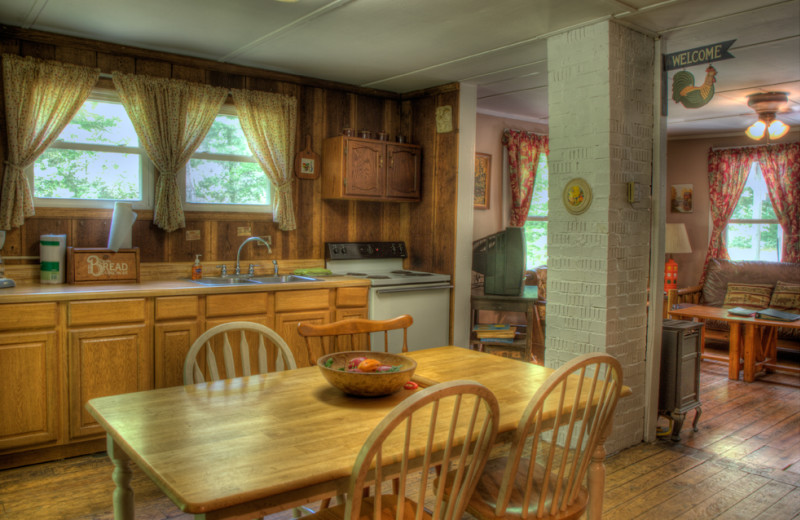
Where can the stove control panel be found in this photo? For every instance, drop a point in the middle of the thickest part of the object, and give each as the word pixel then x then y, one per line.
pixel 364 250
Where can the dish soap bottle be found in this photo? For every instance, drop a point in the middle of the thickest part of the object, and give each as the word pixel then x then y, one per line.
pixel 197 268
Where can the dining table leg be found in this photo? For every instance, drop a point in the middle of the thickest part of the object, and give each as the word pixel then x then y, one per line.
pixel 123 493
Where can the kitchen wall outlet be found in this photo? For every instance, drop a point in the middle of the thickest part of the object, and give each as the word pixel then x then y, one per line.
pixel 243 231
pixel 634 192
pixel 267 239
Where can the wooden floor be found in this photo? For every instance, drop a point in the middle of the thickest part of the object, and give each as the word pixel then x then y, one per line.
pixel 744 462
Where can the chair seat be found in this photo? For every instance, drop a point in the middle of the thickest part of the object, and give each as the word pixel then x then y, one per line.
pixel 388 507
pixel 484 498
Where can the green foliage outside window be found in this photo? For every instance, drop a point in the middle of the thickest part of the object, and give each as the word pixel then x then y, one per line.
pixel 536 230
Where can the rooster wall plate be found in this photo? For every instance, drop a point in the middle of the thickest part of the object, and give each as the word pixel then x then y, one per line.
pixel 577 196
pixel 685 92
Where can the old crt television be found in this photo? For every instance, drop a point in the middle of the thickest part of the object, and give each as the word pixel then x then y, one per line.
pixel 500 258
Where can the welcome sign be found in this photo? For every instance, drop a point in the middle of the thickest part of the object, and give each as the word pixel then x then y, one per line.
pixel 698 55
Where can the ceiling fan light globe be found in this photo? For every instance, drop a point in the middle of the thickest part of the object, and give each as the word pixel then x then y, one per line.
pixel 756 130
pixel 777 129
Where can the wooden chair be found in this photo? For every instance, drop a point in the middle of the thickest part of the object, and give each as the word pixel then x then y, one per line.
pixel 350 334
pixel 212 354
pixel 545 472
pixel 426 430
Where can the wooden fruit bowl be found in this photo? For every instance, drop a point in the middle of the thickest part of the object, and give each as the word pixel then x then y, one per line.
pixel 366 384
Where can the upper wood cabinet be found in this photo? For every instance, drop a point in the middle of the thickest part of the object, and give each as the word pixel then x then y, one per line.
pixel 366 169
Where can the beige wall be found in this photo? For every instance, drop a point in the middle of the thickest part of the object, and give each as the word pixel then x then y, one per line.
pixel 687 163
pixel 488 139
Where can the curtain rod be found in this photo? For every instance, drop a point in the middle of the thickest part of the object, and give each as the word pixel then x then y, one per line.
pixel 716 148
pixel 526 131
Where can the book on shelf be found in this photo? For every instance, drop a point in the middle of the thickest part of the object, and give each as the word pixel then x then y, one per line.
pixel 774 314
pixel 497 340
pixel 480 327
pixel 741 311
pixel 504 333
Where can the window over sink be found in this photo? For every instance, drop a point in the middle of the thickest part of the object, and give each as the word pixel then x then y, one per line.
pixel 98 159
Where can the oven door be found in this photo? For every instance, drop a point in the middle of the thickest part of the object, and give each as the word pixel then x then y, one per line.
pixel 428 304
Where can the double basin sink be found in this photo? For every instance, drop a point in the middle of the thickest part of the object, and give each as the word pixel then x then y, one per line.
pixel 247 280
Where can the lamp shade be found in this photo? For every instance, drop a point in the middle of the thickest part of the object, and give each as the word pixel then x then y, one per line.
pixel 676 240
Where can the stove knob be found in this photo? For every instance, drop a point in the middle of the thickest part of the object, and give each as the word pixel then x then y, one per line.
pixel 344 250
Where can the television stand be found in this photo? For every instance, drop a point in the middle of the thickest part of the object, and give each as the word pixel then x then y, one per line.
pixel 529 343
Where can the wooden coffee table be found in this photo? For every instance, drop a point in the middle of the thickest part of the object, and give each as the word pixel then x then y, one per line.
pixel 753 341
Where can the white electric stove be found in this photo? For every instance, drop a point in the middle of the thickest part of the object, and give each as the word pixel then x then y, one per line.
pixel 395 291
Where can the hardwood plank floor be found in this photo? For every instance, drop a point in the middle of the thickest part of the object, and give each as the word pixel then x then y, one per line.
pixel 743 463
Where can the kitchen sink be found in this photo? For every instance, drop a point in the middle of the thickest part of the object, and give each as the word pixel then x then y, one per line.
pixel 224 280
pixel 287 278
pixel 247 280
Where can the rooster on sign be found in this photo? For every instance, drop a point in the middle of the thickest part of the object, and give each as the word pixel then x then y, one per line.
pixel 685 92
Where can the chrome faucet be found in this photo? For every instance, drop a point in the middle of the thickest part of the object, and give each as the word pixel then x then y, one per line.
pixel 250 239
pixel 275 268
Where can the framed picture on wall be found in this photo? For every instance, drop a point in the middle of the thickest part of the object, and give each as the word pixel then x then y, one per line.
pixel 681 198
pixel 483 170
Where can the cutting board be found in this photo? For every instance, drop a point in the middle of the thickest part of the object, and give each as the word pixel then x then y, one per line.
pixel 307 164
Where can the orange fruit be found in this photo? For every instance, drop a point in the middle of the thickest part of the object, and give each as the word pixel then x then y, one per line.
pixel 369 365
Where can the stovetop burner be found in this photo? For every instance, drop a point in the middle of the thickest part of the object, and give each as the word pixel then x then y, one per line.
pixel 411 273
pixel 378 277
pixel 356 274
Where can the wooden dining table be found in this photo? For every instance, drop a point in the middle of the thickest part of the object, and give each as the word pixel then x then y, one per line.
pixel 251 446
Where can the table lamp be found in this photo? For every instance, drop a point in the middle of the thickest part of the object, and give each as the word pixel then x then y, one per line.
pixel 676 240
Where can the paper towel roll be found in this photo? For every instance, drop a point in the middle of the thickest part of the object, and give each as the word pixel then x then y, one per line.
pixel 52 253
pixel 119 236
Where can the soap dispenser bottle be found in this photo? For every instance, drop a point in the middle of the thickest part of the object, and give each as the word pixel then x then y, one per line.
pixel 197 268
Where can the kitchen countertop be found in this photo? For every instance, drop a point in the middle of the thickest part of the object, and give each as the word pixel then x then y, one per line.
pixel 182 287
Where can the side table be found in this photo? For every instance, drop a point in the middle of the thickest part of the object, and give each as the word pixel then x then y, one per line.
pixel 524 303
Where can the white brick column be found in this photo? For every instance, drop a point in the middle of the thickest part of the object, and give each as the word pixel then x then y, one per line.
pixel 601 130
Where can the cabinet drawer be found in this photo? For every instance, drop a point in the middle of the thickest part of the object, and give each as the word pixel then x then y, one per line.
pixel 302 300
pixel 17 316
pixel 351 296
pixel 236 304
pixel 176 307
pixel 98 312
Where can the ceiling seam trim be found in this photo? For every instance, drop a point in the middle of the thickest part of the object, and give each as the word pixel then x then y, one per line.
pixel 305 18
pixel 718 18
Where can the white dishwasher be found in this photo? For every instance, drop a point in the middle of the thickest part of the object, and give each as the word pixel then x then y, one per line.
pixel 395 291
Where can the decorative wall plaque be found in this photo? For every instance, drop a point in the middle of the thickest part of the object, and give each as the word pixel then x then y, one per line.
pixel 577 196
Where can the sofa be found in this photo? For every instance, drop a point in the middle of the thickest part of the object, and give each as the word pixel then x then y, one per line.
pixel 749 284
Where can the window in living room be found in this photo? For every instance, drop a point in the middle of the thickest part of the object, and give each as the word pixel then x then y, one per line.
pixel 96 160
pixel 536 223
pixel 753 232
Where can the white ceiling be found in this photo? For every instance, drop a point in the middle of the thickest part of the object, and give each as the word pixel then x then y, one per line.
pixel 403 46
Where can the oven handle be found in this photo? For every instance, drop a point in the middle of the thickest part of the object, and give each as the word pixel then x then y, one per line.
pixel 413 288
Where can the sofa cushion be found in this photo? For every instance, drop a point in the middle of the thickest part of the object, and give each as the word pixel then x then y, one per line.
pixel 786 297
pixel 722 272
pixel 747 295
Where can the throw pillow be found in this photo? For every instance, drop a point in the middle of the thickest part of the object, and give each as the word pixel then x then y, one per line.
pixel 786 297
pixel 748 295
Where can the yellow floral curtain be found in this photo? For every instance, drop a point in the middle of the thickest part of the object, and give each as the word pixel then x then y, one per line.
pixel 171 118
pixel 269 122
pixel 41 99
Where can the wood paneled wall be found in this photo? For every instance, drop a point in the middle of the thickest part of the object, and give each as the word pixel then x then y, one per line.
pixel 324 109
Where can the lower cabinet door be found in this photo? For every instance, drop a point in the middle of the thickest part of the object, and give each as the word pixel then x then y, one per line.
pixel 105 361
pixel 172 342
pixel 286 326
pixel 28 389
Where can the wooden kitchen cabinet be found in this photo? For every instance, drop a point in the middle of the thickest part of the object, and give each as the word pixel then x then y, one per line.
pixel 109 345
pixel 292 307
pixel 179 321
pixel 29 375
pixel 351 302
pixel 366 169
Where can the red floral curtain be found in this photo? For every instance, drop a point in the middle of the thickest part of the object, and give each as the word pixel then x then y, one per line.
pixel 780 165
pixel 727 175
pixel 524 149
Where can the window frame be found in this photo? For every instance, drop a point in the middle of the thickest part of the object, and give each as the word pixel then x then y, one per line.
pixel 539 218
pixel 227 109
pixel 755 165
pixel 146 171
